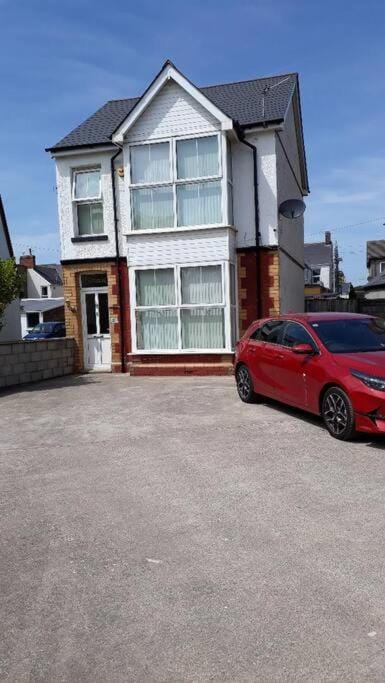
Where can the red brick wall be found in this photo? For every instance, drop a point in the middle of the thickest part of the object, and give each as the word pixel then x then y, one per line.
pixel 248 263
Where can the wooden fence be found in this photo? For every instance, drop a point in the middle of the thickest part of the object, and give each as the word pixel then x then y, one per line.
pixel 372 307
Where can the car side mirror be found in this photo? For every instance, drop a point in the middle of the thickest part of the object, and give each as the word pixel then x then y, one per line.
pixel 303 349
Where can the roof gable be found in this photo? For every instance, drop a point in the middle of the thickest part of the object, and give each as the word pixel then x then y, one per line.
pixel 169 73
pixel 51 272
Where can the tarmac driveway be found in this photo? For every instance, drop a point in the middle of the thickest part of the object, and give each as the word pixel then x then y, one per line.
pixel 157 529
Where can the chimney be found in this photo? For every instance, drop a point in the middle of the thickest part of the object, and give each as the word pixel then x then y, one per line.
pixel 27 261
pixel 328 237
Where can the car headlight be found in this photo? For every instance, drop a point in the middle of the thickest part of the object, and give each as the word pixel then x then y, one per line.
pixel 377 383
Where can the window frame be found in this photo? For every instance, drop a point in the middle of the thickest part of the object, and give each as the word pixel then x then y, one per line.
pixel 313 281
pixel 174 182
pixel 44 296
pixel 225 305
pixel 382 267
pixel 76 201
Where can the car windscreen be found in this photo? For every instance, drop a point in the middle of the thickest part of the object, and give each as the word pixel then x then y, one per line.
pixel 44 328
pixel 351 336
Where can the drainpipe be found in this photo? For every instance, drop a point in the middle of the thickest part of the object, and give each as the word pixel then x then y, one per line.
pixel 118 268
pixel 256 209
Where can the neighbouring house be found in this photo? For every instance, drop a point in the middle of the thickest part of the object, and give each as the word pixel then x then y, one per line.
pixel 43 296
pixel 375 258
pixel 171 237
pixel 10 329
pixel 319 267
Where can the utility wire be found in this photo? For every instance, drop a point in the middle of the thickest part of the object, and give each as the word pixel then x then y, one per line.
pixel 342 227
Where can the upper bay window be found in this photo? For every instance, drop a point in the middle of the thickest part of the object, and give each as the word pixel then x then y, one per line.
pixel 178 183
pixel 87 197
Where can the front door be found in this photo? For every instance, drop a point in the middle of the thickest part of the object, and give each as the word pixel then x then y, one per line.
pixel 96 330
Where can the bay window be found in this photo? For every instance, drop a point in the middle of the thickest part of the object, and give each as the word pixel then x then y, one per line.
pixel 178 183
pixel 87 197
pixel 182 308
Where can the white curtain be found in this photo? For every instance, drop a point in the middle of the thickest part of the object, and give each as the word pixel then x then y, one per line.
pixel 152 208
pixel 197 158
pixel 150 163
pixel 201 285
pixel 202 328
pixel 157 329
pixel 87 185
pixel 90 219
pixel 155 287
pixel 199 203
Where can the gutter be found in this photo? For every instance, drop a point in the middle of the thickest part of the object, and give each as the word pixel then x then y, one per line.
pixel 256 209
pixel 117 260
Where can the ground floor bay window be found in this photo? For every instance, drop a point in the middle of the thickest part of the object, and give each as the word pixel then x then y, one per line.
pixel 184 308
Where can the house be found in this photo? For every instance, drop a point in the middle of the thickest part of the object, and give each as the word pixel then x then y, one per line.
pixel 171 237
pixel 375 258
pixel 43 296
pixel 10 329
pixel 319 267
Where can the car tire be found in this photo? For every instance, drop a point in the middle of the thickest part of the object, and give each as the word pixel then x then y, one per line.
pixel 337 414
pixel 245 385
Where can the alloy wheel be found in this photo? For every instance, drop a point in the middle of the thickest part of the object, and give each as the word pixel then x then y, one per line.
pixel 243 383
pixel 336 413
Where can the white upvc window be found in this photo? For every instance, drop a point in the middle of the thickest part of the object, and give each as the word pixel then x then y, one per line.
pixel 382 266
pixel 88 202
pixel 179 183
pixel 183 308
pixel 44 292
pixel 316 276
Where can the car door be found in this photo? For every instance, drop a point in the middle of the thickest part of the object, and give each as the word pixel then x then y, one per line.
pixel 263 347
pixel 294 368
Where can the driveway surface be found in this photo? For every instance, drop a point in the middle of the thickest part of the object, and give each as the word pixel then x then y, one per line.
pixel 157 529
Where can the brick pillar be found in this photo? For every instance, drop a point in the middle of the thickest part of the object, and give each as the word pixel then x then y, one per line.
pixel 248 264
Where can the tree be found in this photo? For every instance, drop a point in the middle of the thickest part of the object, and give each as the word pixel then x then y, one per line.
pixel 11 284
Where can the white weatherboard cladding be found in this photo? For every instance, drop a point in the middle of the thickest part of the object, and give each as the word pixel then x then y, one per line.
pixel 197 246
pixel 173 111
pixel 243 191
pixel 65 166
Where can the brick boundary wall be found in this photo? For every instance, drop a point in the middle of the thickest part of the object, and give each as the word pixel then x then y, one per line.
pixel 31 361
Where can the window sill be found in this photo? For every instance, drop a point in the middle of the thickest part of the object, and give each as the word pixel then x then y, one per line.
pixel 90 238
pixel 180 352
pixel 161 231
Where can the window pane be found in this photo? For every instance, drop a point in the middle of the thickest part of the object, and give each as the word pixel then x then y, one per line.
pixel 155 287
pixel 90 219
pixel 91 314
pixel 94 280
pixel 199 204
pixel 197 158
pixel 104 319
pixel 87 185
pixel 157 329
pixel 203 328
pixel 153 208
pixel 32 320
pixel 296 334
pixel 150 163
pixel 202 285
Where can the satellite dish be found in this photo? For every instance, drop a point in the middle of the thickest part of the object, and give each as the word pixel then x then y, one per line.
pixel 292 208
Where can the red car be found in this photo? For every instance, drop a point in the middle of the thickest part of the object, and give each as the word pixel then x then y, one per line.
pixel 329 364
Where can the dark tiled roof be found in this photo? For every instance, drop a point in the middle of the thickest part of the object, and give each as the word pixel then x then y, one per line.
pixel 375 249
pixel 4 224
pixel 254 102
pixel 51 272
pixel 377 281
pixel 318 253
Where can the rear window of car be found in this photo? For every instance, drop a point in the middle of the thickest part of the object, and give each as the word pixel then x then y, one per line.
pixel 270 331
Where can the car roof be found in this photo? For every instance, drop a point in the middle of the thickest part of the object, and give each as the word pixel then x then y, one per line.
pixel 314 316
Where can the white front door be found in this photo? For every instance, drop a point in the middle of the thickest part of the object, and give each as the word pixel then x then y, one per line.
pixel 96 330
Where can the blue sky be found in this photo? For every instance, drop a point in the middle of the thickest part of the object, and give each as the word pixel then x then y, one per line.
pixel 60 61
